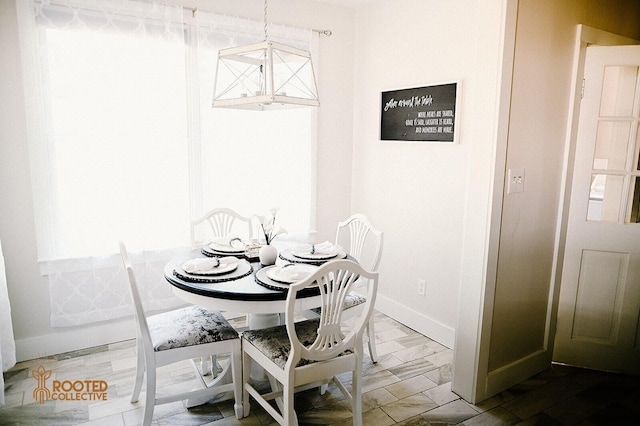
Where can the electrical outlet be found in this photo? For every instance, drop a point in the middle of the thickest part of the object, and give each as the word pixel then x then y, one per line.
pixel 422 287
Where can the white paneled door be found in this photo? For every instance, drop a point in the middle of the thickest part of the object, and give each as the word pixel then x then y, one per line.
pixel 598 314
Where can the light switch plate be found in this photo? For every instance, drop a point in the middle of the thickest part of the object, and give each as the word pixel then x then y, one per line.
pixel 515 181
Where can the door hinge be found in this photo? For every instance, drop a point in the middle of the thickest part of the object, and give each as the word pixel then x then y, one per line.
pixel 582 90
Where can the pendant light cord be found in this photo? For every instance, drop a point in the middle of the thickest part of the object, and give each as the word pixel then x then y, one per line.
pixel 266 36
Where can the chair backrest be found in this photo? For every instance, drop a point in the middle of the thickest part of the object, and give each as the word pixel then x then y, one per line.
pixel 335 280
pixel 141 319
pixel 364 242
pixel 223 222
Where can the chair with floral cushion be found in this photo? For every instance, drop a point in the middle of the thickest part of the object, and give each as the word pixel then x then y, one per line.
pixel 178 335
pixel 304 354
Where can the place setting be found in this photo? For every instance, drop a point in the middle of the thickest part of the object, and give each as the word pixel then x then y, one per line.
pixel 213 269
pixel 313 254
pixel 279 277
pixel 230 246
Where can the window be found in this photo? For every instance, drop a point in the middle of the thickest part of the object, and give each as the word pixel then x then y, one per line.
pixel 134 149
pixel 119 140
pixel 125 145
pixel 615 179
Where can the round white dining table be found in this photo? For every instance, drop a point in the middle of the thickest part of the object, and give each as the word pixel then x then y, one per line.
pixel 263 303
pixel 242 295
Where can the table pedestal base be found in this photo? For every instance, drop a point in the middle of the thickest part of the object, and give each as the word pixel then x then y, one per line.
pixel 259 321
pixel 214 395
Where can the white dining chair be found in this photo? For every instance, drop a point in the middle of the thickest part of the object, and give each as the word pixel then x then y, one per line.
pixel 178 335
pixel 222 222
pixel 304 354
pixel 365 244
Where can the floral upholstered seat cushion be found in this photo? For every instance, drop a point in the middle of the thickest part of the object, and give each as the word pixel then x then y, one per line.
pixel 352 299
pixel 188 326
pixel 274 341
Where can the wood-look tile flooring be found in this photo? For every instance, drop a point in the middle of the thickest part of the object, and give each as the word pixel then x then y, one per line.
pixel 410 385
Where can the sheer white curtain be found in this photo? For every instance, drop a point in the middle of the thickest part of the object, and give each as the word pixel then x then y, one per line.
pixel 124 144
pixel 7 344
pixel 108 149
pixel 271 153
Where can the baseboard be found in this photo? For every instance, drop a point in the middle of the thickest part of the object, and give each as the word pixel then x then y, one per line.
pixel 75 338
pixel 516 372
pixel 417 321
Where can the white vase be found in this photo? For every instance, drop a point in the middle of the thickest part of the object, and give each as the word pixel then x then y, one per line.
pixel 268 255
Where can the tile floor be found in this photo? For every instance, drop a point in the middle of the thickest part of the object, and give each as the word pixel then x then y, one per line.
pixel 410 385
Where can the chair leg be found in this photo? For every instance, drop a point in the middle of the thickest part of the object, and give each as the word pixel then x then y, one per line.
pixel 150 399
pixel 246 376
pixel 356 394
pixel 371 341
pixel 236 374
pixel 140 366
pixel 288 411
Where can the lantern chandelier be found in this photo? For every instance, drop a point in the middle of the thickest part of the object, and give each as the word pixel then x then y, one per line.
pixel 265 75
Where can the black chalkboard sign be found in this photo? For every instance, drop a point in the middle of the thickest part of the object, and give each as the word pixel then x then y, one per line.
pixel 419 114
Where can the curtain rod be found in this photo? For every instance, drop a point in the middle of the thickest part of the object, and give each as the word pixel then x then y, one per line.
pixel 321 32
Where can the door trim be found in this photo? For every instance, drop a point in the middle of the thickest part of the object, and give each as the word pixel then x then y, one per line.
pixel 473 329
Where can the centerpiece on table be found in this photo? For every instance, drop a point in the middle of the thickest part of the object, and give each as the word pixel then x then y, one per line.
pixel 269 253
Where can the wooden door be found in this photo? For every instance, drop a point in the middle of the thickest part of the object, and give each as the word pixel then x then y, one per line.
pixel 599 301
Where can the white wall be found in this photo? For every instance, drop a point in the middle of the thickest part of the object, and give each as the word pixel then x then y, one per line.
pixel 29 292
pixel 418 192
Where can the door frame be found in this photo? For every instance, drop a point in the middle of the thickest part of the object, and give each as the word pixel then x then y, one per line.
pixel 584 37
pixel 472 345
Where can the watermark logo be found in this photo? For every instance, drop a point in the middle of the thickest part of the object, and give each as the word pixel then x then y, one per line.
pixel 67 390
pixel 41 392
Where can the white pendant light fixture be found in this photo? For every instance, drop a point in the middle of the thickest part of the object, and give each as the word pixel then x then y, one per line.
pixel 265 75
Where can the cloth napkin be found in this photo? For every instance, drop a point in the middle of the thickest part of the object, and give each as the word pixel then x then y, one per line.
pixel 296 272
pixel 326 247
pixel 203 264
pixel 229 241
